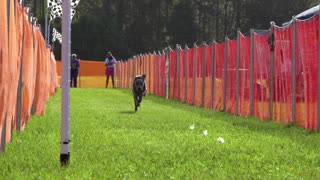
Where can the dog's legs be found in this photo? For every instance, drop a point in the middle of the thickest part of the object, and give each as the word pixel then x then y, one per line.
pixel 135 102
pixel 140 99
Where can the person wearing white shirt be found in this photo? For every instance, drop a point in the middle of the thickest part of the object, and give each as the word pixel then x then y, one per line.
pixel 110 63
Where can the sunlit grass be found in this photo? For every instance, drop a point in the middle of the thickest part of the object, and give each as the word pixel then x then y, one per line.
pixel 110 140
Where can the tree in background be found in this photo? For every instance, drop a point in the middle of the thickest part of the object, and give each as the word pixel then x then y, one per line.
pixel 129 27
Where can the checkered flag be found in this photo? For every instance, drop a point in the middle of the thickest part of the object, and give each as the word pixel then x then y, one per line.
pixel 74 3
pixel 52 3
pixel 56 8
pixel 56 36
pixel 56 11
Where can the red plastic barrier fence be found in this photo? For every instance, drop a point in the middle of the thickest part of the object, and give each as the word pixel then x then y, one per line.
pixel 28 72
pixel 173 89
pixel 198 76
pixel 261 76
pixel 231 76
pixel 244 76
pixel 218 76
pixel 188 74
pixel 307 72
pixel 208 77
pixel 182 75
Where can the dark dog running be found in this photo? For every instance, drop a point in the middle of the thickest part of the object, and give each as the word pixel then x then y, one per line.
pixel 139 90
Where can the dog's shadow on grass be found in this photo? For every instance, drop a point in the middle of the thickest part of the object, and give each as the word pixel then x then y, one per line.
pixel 127 112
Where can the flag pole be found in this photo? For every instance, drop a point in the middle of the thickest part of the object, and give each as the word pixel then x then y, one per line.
pixel 65 115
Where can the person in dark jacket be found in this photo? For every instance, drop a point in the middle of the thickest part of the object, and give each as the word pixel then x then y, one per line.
pixel 75 65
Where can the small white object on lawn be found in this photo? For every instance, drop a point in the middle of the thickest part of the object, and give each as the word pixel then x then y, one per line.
pixel 192 127
pixel 220 139
pixel 205 133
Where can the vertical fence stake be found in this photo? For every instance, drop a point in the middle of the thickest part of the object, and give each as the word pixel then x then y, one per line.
pixel 3 136
pixel 294 73
pixel 194 73
pixel 168 79
pixel 186 75
pixel 203 73
pixel 271 41
pixel 19 98
pixel 318 105
pixel 225 74
pixel 163 79
pixel 127 73
pixel 149 73
pixel 179 70
pixel 212 76
pixel 238 72
pixel 175 73
pixel 252 72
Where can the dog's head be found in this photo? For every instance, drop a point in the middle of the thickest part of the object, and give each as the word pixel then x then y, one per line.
pixel 139 83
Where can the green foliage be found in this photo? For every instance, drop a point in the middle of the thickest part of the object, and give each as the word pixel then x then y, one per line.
pixel 110 141
pixel 128 27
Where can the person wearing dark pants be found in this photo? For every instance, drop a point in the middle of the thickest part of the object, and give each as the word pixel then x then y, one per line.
pixel 75 65
pixel 110 63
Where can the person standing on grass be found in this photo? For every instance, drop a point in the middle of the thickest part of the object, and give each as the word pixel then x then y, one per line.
pixel 110 63
pixel 75 64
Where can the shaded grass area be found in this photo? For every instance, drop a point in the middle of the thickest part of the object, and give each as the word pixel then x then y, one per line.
pixel 110 140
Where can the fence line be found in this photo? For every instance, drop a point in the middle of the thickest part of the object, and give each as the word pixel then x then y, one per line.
pixel 269 74
pixel 28 69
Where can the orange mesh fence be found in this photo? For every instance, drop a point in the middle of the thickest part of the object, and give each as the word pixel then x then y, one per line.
pixel 151 74
pixel 282 99
pixel 189 74
pixel 4 71
pixel 92 74
pixel 261 75
pixel 218 76
pixel 208 77
pixel 173 75
pixel 231 76
pixel 182 75
pixel 161 75
pixel 307 72
pixel 28 75
pixel 12 75
pixel 190 64
pixel 198 77
pixel 244 76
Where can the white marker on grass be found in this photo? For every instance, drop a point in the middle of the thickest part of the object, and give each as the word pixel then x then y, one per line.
pixel 192 127
pixel 205 133
pixel 220 139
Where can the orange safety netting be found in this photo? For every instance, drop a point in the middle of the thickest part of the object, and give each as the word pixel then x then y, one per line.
pixel 197 75
pixel 231 76
pixel 261 76
pixel 282 97
pixel 307 72
pixel 244 76
pixel 218 76
pixel 182 75
pixel 92 74
pixel 190 64
pixel 208 77
pixel 28 74
pixel 173 88
pixel 4 70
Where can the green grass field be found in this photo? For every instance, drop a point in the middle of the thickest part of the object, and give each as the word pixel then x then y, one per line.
pixel 110 141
